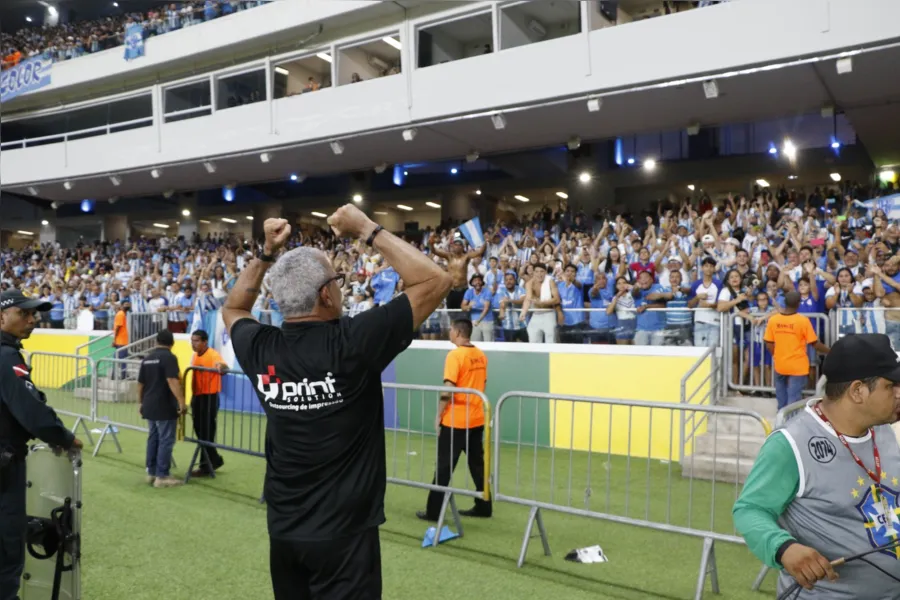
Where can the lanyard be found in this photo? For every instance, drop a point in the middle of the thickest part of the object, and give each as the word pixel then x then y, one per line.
pixel 873 475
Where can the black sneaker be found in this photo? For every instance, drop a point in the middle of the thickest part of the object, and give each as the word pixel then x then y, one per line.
pixel 424 516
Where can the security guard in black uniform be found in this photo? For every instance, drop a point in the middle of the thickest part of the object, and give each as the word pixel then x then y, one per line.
pixel 24 415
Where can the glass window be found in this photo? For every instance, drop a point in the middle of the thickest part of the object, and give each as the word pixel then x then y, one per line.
pixel 303 75
pixel 538 21
pixel 187 97
pixel 378 58
pixel 238 90
pixel 463 38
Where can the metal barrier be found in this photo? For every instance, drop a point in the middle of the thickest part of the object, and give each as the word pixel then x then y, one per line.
pixel 228 417
pixel 413 432
pixel 750 367
pixel 143 326
pixel 703 393
pixel 605 440
pixel 66 380
pixel 116 401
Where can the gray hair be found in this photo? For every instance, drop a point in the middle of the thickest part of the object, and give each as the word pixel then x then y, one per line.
pixel 296 280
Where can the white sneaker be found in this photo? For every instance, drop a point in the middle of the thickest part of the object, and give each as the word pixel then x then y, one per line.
pixel 167 482
pixel 151 479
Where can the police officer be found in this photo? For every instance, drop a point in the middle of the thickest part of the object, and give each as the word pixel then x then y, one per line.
pixel 24 415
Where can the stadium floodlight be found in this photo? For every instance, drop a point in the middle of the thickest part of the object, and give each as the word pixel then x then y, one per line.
pixel 33 191
pixel 265 157
pixel 594 104
pixel 155 173
pixel 68 185
pixel 710 89
pixel 790 150
pixel 115 180
pixel 410 134
pixel 499 121
pixel 337 147
pixel 210 167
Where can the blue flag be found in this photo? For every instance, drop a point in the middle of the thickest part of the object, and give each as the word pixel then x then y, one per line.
pixel 471 230
pixel 134 41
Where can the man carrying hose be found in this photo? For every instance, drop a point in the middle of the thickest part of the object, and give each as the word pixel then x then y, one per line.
pixel 826 485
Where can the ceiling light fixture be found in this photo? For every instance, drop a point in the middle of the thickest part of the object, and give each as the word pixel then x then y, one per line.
pixel 574 143
pixel 594 104
pixel 520 198
pixel 380 212
pixel 227 220
pixel 23 232
pixel 265 157
pixel 324 56
pixel 790 150
pixel 762 183
pixel 115 180
pixel 161 225
pixel 204 221
pixel 392 42
pixel 404 207
pixel 835 177
pixel 33 191
pixel 185 213
pixel 45 222
pixel 210 167
pixel 691 187
pixel 563 195
pixel 584 177
pixel 433 204
pixel 499 121
pixel 282 71
pixel 319 215
pixel 410 134
pixel 710 89
pixel 337 148
pixel 472 156
pixel 68 185
pixel 155 173
pixel 357 198
pixel 381 168
pixel 249 217
pixel 477 192
pixel 649 164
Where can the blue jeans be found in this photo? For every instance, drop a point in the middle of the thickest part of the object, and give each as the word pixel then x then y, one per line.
pixel 789 388
pixel 706 335
pixel 159 447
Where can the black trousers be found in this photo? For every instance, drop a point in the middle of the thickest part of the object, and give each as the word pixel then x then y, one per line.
pixel 342 569
pixel 205 411
pixel 12 528
pixel 455 299
pixel 451 443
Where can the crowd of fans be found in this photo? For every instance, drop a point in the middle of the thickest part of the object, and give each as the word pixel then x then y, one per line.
pixel 71 40
pixel 664 278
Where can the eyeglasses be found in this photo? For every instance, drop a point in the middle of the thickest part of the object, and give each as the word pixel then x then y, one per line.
pixel 338 278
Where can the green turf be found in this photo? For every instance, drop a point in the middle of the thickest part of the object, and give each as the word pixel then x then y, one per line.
pixel 208 540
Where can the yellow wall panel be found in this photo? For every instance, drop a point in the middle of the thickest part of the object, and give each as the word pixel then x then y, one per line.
pixel 621 430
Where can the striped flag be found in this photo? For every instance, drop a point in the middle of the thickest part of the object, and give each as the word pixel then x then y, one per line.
pixel 471 230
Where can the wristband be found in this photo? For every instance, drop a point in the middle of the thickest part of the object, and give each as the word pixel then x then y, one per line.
pixel 374 233
pixel 266 257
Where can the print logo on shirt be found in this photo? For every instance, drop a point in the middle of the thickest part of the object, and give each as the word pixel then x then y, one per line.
pixel 322 392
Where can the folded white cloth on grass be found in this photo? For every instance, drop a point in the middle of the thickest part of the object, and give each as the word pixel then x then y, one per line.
pixel 592 554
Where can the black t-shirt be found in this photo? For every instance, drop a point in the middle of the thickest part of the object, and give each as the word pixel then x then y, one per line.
pixel 158 402
pixel 320 385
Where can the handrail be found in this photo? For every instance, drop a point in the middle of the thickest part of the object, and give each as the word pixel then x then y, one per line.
pixel 693 370
pixel 108 128
pixel 96 339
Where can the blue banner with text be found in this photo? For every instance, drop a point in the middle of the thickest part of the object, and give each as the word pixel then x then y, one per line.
pixel 27 76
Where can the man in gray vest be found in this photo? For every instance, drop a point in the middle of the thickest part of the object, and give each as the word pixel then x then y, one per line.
pixel 826 485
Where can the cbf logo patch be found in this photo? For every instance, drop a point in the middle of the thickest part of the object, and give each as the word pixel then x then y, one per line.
pixel 882 518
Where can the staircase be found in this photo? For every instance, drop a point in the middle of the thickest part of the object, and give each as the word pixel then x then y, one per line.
pixel 726 451
pixel 115 386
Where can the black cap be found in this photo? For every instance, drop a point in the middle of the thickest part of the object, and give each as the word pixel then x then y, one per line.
pixel 862 356
pixel 13 298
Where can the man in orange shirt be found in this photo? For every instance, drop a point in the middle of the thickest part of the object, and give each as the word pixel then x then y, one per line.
pixel 460 421
pixel 206 385
pixel 787 337
pixel 120 336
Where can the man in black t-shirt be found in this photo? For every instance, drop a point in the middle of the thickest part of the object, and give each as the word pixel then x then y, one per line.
pixel 318 378
pixel 161 403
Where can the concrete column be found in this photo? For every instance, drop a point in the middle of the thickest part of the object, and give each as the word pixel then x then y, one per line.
pixel 261 212
pixel 187 219
pixel 48 232
pixel 115 227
